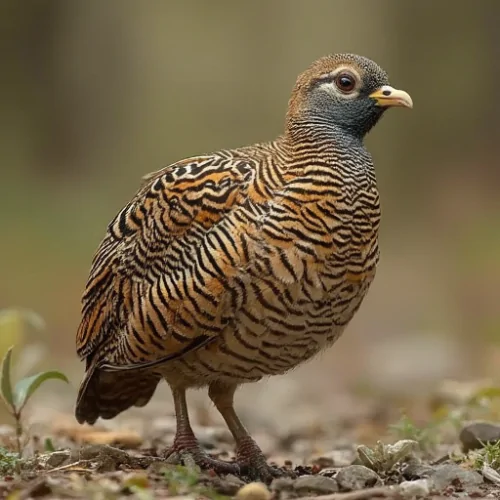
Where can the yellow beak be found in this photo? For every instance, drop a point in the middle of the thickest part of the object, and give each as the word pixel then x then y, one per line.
pixel 387 96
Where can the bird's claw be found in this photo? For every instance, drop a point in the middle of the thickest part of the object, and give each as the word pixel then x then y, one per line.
pixel 263 473
pixel 250 462
pixel 197 457
pixel 253 463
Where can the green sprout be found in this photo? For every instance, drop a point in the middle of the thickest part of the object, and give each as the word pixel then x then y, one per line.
pixel 488 455
pixel 15 397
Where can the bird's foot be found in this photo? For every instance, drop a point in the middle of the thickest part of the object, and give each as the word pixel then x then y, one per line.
pixel 253 463
pixel 190 453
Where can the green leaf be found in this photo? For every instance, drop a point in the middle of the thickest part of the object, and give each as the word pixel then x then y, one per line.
pixel 27 386
pixel 5 384
pixel 48 445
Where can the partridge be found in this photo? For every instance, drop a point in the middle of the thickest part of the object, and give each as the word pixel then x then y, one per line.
pixel 236 265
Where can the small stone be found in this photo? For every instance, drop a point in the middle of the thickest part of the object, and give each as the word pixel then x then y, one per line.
pixel 57 458
pixel 415 470
pixel 357 477
pixel 253 491
pixel 315 484
pixel 282 484
pixel 444 475
pixel 454 475
pixel 473 433
pixel 415 489
pixel 490 474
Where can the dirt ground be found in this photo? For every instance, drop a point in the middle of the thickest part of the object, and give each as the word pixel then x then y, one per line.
pixel 332 456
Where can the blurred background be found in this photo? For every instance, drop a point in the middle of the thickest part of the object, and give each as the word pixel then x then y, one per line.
pixel 94 95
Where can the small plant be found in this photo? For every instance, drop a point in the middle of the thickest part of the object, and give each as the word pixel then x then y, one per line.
pixel 16 397
pixel 8 461
pixel 488 455
pixel 383 457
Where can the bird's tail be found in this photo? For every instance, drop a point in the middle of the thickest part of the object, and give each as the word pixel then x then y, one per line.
pixel 105 394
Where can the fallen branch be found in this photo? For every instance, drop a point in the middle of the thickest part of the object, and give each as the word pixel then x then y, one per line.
pixel 72 466
pixel 377 492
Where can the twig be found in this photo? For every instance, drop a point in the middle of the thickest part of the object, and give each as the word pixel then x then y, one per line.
pixel 68 466
pixel 378 492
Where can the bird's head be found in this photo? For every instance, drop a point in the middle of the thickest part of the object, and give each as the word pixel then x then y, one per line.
pixel 346 91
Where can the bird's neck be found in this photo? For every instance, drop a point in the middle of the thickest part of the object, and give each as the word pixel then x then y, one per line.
pixel 316 138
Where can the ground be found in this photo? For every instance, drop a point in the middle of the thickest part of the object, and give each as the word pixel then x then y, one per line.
pixel 380 453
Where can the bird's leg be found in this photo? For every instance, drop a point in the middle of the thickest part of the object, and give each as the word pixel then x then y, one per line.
pixel 185 444
pixel 248 454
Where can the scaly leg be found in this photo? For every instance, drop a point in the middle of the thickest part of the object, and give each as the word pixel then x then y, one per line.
pixel 248 454
pixel 186 445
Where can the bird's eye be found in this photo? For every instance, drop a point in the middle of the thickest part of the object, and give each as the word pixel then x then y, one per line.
pixel 345 82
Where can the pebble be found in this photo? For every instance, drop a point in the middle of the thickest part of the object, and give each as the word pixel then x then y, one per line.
pixel 57 458
pixel 415 489
pixel 415 470
pixel 253 491
pixel 357 477
pixel 490 474
pixel 473 433
pixel 315 484
pixel 445 475
pixel 282 484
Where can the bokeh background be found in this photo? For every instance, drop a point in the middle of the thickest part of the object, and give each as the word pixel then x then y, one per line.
pixel 94 94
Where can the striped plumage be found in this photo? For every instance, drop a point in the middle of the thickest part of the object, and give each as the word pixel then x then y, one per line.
pixel 243 263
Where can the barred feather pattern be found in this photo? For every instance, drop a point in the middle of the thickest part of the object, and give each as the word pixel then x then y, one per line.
pixel 229 267
pixel 236 265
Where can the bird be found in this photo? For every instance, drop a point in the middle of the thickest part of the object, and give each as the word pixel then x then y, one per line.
pixel 230 267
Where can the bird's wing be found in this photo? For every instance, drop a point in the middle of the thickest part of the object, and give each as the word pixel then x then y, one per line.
pixel 157 284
